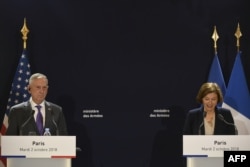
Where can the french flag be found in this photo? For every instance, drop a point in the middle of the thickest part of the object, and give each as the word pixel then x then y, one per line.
pixel 237 97
pixel 216 75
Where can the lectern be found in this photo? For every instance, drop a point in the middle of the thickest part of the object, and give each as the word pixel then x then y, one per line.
pixel 38 151
pixel 208 150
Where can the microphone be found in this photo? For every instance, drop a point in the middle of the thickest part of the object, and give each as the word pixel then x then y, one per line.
pixel 202 123
pixel 26 122
pixel 228 123
pixel 54 122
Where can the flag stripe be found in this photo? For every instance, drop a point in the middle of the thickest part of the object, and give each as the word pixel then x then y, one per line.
pixel 242 123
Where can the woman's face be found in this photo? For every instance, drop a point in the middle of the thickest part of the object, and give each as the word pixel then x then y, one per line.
pixel 210 101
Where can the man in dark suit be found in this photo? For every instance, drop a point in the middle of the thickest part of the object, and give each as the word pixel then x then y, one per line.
pixel 36 114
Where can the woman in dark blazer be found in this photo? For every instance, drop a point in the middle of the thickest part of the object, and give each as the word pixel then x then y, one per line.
pixel 209 119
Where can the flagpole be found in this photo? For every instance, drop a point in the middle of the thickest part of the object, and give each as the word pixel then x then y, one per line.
pixel 215 73
pixel 25 32
pixel 215 37
pixel 238 34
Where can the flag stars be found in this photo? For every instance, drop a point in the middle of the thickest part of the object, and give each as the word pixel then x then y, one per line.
pixel 18 92
pixel 20 71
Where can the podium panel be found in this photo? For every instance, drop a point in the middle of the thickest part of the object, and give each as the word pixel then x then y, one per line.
pixel 208 150
pixel 38 162
pixel 38 151
pixel 205 162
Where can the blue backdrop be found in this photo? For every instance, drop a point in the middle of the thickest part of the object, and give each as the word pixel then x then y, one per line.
pixel 125 72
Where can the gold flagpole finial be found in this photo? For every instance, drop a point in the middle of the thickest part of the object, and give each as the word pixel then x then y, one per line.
pixel 25 32
pixel 215 37
pixel 238 34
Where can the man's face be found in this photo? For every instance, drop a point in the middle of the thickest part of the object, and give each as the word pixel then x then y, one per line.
pixel 38 89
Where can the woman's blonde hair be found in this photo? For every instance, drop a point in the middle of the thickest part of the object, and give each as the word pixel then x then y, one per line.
pixel 209 87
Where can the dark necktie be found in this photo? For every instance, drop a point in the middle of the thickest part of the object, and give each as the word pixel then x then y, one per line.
pixel 39 120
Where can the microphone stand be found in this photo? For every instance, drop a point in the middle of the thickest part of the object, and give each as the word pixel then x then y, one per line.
pixel 202 123
pixel 228 123
pixel 26 122
pixel 54 122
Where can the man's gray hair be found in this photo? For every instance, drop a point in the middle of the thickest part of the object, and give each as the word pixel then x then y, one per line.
pixel 36 76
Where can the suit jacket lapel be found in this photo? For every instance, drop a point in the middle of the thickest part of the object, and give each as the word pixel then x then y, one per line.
pixel 201 119
pixel 217 122
pixel 47 114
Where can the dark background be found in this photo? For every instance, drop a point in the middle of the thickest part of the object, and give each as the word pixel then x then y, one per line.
pixel 124 58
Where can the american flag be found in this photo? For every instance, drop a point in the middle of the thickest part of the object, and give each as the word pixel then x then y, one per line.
pixel 18 92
